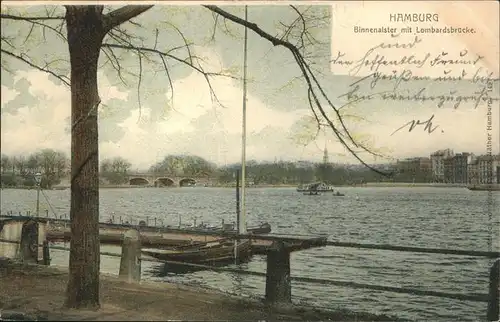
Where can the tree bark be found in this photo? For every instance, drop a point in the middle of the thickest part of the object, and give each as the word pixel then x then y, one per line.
pixel 85 35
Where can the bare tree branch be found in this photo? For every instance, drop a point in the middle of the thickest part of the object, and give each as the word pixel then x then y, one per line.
pixel 12 17
pixel 139 86
pixel 62 78
pixel 37 21
pixel 184 40
pixel 311 81
pixel 121 15
pixel 297 29
pixel 186 62
pixel 115 62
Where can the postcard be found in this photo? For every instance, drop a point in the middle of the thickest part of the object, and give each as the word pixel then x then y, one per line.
pixel 338 160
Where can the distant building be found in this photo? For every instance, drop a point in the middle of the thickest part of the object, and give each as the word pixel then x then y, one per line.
pixel 460 162
pixel 455 168
pixel 488 169
pixel 473 171
pixel 437 163
pixel 448 170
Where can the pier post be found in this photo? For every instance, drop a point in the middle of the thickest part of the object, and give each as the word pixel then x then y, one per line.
pixel 29 242
pixel 278 285
pixel 46 253
pixel 494 294
pixel 130 263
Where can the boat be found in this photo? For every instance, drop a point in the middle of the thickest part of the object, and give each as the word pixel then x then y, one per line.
pixel 317 186
pixel 215 253
pixel 485 187
pixel 263 228
pixel 312 193
pixel 338 194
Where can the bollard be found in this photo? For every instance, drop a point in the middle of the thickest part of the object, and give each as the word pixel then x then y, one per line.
pixel 155 221
pixel 29 242
pixel 278 285
pixel 494 294
pixel 47 213
pixel 130 262
pixel 20 214
pixel 46 253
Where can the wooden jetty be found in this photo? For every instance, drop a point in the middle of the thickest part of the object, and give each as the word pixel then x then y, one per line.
pixel 167 237
pixel 183 238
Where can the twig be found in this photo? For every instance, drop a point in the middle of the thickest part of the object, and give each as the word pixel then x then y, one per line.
pixel 62 78
pixel 12 17
pixel 139 87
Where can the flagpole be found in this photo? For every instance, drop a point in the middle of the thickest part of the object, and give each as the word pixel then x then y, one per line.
pixel 243 222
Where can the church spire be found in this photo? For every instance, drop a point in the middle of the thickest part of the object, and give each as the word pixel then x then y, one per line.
pixel 325 156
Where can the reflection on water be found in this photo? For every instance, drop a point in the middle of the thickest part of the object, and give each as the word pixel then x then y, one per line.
pixel 426 217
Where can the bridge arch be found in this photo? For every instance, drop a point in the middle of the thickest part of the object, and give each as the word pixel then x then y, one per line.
pixel 164 182
pixel 138 182
pixel 187 182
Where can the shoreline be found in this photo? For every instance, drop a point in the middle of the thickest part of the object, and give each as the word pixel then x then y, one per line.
pixel 39 291
pixel 365 185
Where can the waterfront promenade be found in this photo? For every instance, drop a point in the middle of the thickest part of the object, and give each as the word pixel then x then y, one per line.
pixel 39 291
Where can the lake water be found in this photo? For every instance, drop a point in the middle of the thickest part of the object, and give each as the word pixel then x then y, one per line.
pixel 425 217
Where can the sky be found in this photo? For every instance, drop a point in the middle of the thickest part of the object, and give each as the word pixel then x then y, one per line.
pixel 35 107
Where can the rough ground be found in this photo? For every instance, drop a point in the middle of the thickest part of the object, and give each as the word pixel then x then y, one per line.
pixel 39 292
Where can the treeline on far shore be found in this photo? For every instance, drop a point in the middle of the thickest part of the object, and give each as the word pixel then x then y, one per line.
pixel 18 171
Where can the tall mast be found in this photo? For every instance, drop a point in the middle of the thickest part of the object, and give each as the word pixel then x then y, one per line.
pixel 242 229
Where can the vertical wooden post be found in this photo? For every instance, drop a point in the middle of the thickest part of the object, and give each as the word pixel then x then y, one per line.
pixel 238 212
pixel 278 285
pixel 29 242
pixel 494 294
pixel 130 263
pixel 46 253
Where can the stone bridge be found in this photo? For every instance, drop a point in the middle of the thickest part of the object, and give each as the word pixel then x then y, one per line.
pixel 165 180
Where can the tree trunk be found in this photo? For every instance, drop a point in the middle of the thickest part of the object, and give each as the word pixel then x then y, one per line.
pixel 85 35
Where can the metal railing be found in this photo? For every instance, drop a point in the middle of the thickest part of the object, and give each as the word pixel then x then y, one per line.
pixel 492 298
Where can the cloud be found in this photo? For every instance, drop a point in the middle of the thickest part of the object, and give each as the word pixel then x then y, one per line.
pixel 38 117
pixel 36 111
pixel 196 124
pixel 36 114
